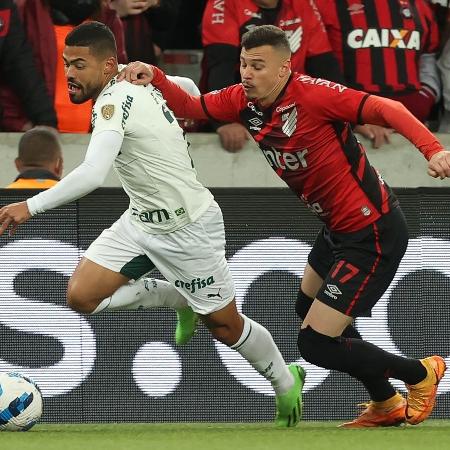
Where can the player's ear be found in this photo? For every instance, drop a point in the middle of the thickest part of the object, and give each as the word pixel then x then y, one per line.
pixel 19 164
pixel 110 65
pixel 285 68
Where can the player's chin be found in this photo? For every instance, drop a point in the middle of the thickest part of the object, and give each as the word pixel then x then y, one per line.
pixel 77 98
pixel 250 93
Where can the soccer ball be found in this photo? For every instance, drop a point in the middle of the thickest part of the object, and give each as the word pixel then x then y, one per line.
pixel 20 402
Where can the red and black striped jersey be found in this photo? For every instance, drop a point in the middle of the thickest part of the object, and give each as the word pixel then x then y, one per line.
pixel 305 135
pixel 225 21
pixel 378 43
pixel 306 138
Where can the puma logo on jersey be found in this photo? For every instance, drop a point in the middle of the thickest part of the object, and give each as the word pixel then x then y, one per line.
pixel 384 38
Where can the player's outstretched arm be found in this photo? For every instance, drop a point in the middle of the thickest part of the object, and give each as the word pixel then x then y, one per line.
pixel 389 113
pixel 89 175
pixel 182 103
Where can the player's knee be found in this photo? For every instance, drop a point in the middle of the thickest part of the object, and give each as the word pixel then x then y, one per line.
pixel 312 345
pixel 302 304
pixel 226 334
pixel 78 301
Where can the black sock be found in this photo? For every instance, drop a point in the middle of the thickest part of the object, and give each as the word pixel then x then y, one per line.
pixel 358 358
pixel 379 389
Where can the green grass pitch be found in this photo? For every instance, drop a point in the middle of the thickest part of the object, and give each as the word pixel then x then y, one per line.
pixel 431 435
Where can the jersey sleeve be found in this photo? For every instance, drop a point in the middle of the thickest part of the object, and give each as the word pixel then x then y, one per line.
pixel 431 44
pixel 329 101
pixel 224 105
pixel 112 109
pixel 220 24
pixel 317 42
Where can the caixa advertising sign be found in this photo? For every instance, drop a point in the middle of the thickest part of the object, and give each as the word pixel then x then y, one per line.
pixel 125 366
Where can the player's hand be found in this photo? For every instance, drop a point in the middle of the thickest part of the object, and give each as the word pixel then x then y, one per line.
pixel 233 136
pixel 11 216
pixel 136 73
pixel 439 165
pixel 378 135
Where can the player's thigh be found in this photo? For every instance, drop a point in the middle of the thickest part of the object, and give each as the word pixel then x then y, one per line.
pixel 365 264
pixel 110 261
pixel 320 260
pixel 325 319
pixel 91 281
pixel 193 260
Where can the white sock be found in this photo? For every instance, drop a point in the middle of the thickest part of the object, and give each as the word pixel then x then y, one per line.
pixel 256 345
pixel 143 293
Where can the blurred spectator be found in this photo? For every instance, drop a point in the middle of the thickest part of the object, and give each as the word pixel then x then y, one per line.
pixel 444 67
pixel 40 161
pixel 19 72
pixel 387 48
pixel 47 23
pixel 224 23
pixel 146 23
pixel 187 33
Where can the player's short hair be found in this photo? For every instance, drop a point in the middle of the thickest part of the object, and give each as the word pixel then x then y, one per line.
pixel 39 146
pixel 95 35
pixel 266 35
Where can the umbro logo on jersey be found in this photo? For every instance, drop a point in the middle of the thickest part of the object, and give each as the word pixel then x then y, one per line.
pixel 295 38
pixel 289 120
pixel 384 38
pixel 255 124
pixel 332 291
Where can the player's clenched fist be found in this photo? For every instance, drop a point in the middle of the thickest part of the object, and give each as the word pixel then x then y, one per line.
pixel 137 73
pixel 12 216
pixel 439 165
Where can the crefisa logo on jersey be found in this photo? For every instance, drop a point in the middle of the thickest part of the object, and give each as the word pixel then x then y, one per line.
pixel 126 106
pixel 196 284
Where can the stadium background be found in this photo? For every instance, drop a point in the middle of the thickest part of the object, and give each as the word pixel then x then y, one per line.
pixel 124 366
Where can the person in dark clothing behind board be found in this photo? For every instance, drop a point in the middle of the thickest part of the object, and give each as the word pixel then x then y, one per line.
pixel 40 161
pixel 19 72
pixel 302 126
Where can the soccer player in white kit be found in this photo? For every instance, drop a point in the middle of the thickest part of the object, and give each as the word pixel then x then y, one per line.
pixel 172 223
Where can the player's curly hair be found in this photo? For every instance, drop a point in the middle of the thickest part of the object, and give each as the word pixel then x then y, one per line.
pixel 266 35
pixel 95 35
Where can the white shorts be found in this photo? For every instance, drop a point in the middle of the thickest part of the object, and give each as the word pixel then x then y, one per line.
pixel 192 258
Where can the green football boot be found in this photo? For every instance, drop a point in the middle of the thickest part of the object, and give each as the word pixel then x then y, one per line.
pixel 290 404
pixel 186 325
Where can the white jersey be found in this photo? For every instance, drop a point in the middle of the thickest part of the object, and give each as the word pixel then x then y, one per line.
pixel 153 165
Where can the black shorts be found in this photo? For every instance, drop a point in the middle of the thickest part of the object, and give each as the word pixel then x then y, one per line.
pixel 358 267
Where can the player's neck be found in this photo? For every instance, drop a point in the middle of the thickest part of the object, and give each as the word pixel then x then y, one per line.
pixel 270 98
pixel 108 78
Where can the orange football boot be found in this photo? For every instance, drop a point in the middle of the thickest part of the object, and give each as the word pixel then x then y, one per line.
pixel 389 413
pixel 422 396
